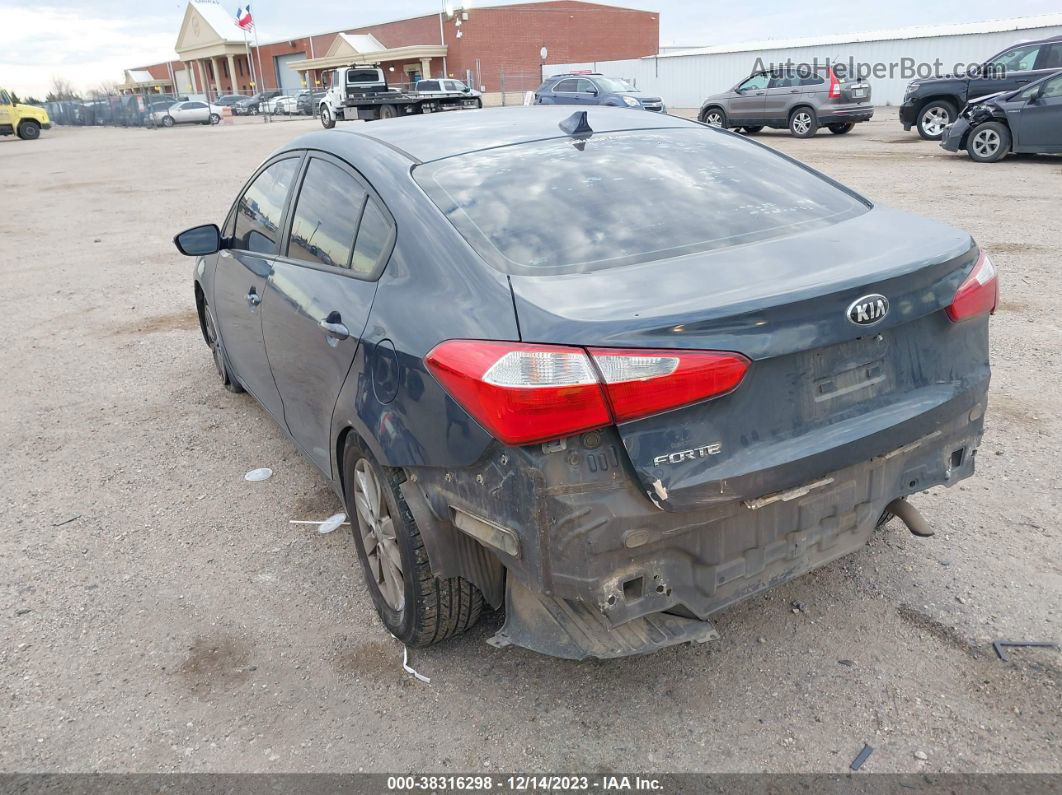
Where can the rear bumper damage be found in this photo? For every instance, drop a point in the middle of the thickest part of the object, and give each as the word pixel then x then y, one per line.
pixel 593 569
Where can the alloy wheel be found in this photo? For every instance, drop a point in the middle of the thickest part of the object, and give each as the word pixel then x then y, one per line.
pixel 713 118
pixel 986 143
pixel 212 341
pixel 935 120
pixel 802 122
pixel 377 528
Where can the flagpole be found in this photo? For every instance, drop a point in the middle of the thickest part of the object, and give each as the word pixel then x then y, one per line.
pixel 250 60
pixel 257 48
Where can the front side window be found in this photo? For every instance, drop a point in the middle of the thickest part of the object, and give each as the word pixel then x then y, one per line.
pixel 585 87
pixel 259 210
pixel 614 85
pixel 326 215
pixel 1052 88
pixel 755 83
pixel 1019 59
pixel 627 197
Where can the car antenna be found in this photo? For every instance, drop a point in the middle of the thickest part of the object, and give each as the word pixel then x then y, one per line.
pixel 576 125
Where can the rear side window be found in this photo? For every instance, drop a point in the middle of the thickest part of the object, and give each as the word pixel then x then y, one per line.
pixel 326 215
pixel 374 240
pixel 563 206
pixel 812 80
pixel 1052 57
pixel 566 86
pixel 428 85
pixel 261 206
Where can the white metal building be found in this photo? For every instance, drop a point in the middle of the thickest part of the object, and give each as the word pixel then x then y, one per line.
pixel 684 78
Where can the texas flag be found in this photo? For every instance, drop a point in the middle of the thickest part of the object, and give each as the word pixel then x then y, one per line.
pixel 243 18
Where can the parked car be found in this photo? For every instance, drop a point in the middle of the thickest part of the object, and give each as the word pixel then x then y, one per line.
pixel 307 101
pixel 283 103
pixel 593 88
pixel 228 99
pixel 25 121
pixel 251 105
pixel 486 340
pixel 190 112
pixel 1027 121
pixel 438 87
pixel 802 100
pixel 932 104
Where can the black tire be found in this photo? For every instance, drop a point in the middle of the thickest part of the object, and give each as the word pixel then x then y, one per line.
pixel 167 121
pixel 713 117
pixel 29 130
pixel 388 111
pixel 327 120
pixel 752 130
pixel 841 129
pixel 431 609
pixel 988 142
pixel 217 351
pixel 933 117
pixel 803 123
pixel 479 104
pixel 215 118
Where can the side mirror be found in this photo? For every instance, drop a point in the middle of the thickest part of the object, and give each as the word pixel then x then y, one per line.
pixel 592 92
pixel 199 240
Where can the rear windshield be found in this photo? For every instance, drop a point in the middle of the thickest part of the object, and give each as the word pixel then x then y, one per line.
pixel 562 206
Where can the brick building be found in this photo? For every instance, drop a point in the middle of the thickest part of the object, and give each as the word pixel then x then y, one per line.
pixel 495 49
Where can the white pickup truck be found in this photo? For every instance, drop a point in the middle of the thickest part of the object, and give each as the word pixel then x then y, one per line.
pixel 361 92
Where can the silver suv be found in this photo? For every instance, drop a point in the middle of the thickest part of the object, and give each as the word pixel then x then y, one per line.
pixel 801 99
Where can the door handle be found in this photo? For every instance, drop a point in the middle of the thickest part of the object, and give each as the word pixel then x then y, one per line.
pixel 253 298
pixel 794 91
pixel 1021 82
pixel 334 328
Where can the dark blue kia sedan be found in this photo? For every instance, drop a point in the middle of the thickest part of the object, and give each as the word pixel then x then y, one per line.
pixel 613 372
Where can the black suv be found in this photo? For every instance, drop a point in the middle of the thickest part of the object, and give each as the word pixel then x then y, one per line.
pixel 931 105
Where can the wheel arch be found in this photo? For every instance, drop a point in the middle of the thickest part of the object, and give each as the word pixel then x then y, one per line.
pixel 200 309
pixel 708 107
pixel 801 106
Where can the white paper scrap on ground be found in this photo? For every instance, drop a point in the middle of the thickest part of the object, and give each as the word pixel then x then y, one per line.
pixel 405 665
pixel 332 523
pixel 255 475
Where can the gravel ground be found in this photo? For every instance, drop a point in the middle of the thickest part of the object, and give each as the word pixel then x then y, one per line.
pixel 158 613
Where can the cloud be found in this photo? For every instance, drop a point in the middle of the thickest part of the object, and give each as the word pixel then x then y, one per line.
pixel 39 42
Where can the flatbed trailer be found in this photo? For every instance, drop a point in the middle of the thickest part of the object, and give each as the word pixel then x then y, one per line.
pixel 361 93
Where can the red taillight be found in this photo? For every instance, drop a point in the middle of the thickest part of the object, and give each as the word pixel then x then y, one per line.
pixel 979 293
pixel 835 86
pixel 639 383
pixel 533 393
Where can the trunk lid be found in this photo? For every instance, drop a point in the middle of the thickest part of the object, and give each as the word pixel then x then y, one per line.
pixel 822 392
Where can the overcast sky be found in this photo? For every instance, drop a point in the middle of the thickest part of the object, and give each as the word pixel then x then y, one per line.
pixel 90 41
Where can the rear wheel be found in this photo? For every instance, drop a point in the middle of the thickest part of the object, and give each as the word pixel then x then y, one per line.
pixel 803 123
pixel 327 120
pixel 988 142
pixel 753 130
pixel 933 118
pixel 29 130
pixel 388 111
pixel 217 350
pixel 841 129
pixel 714 117
pixel 417 607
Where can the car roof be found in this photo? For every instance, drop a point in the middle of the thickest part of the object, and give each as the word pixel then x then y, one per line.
pixel 438 135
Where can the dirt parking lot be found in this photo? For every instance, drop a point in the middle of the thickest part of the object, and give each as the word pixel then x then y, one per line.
pixel 159 613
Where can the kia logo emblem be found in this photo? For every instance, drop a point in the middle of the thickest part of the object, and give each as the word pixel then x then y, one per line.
pixel 868 310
